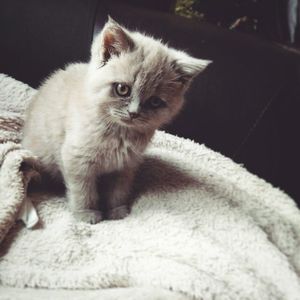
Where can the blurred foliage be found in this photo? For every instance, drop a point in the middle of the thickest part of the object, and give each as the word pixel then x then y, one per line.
pixel 185 8
pixel 266 18
pixel 241 15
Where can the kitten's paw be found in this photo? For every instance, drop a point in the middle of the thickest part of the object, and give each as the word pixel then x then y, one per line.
pixel 88 216
pixel 118 213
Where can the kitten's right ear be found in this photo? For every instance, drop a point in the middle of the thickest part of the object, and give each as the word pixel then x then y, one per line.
pixel 112 41
pixel 188 67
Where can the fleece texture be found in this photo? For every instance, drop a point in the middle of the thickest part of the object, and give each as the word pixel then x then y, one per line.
pixel 201 225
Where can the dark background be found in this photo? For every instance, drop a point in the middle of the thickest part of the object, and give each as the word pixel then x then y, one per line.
pixel 268 19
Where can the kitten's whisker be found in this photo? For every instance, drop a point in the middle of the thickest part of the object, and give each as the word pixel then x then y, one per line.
pixel 120 113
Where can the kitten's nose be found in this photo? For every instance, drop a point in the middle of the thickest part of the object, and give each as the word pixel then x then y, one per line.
pixel 133 115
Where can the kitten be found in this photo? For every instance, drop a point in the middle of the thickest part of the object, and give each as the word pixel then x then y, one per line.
pixel 97 118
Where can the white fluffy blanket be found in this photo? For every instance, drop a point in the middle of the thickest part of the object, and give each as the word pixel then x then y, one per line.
pixel 201 226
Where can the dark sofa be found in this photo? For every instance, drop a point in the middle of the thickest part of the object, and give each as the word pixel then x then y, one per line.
pixel 245 105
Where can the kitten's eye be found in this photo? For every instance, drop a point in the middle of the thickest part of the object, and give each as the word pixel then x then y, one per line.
pixel 122 89
pixel 155 102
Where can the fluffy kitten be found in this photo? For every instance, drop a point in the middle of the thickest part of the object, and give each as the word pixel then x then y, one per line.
pixel 94 119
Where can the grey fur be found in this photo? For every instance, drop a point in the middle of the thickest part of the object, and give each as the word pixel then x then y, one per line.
pixel 81 129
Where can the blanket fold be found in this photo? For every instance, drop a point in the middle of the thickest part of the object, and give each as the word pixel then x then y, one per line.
pixel 201 225
pixel 13 186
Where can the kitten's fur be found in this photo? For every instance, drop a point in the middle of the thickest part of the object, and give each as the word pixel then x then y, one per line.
pixel 81 129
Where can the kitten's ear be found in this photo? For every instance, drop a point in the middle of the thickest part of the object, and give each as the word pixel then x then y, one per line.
pixel 114 40
pixel 189 67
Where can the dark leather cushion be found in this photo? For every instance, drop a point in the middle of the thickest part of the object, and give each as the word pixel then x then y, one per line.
pixel 37 37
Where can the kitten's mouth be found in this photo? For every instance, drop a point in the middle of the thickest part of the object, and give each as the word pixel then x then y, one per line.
pixel 123 119
pixel 127 121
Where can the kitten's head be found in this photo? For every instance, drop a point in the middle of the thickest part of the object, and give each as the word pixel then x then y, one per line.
pixel 136 80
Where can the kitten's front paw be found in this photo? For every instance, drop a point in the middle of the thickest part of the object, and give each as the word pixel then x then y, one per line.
pixel 118 213
pixel 88 216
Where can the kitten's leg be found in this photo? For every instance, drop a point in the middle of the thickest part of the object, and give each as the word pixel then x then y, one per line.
pixel 118 202
pixel 80 180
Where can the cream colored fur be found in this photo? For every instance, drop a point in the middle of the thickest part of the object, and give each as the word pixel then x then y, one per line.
pixel 81 130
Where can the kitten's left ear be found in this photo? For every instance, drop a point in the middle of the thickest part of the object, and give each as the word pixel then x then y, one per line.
pixel 113 40
pixel 189 67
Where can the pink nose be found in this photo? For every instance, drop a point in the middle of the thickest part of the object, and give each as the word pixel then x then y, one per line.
pixel 133 115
